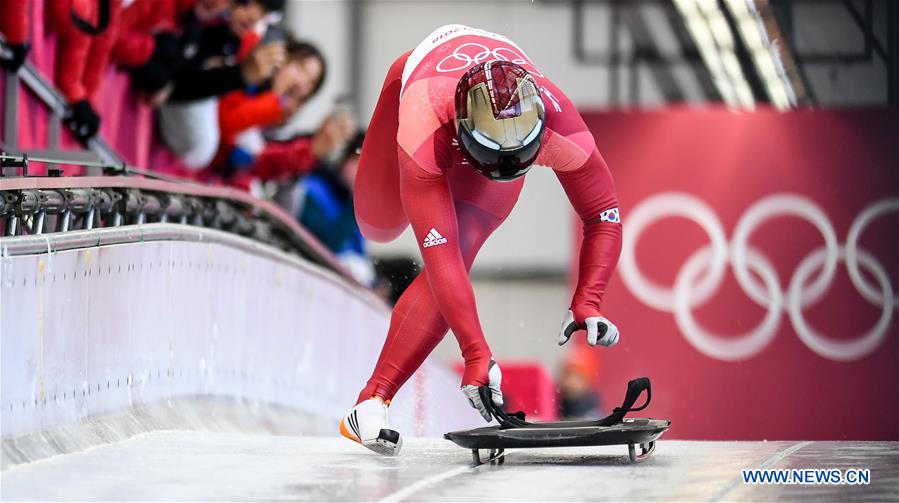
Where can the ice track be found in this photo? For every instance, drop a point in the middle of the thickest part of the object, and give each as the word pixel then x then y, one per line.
pixel 192 465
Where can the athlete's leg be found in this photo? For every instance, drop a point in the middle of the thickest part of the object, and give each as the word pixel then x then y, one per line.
pixel 417 326
pixel 376 196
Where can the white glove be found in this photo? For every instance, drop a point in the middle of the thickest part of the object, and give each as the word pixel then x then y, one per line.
pixel 495 379
pixel 599 330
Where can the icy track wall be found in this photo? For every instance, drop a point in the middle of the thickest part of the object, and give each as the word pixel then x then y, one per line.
pixel 130 316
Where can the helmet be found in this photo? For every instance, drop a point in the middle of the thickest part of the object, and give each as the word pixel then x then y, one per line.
pixel 500 119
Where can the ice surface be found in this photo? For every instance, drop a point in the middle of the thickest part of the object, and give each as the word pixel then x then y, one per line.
pixel 192 465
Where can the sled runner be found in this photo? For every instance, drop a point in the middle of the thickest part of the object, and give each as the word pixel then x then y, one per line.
pixel 514 432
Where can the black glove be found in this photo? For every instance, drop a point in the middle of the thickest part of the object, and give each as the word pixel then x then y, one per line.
pixel 13 55
pixel 160 69
pixel 82 120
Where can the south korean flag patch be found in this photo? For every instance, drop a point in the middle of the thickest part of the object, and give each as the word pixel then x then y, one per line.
pixel 610 216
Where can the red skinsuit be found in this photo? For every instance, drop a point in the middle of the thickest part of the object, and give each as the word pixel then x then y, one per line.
pixel 412 171
pixel 81 58
pixel 14 21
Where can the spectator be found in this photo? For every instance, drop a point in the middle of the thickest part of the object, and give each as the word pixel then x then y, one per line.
pixel 14 28
pixel 325 207
pixel 580 399
pixel 243 115
pixel 85 32
pixel 189 120
pixel 149 45
pixel 277 160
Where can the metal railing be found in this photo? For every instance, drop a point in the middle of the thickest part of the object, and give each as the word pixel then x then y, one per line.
pixel 32 206
pixel 28 76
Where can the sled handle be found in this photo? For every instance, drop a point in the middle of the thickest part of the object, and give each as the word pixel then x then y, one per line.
pixel 635 388
pixel 505 420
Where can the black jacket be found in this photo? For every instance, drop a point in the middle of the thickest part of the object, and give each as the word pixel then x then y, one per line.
pixel 209 67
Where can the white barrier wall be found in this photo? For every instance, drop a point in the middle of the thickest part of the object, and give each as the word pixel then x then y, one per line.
pixel 97 329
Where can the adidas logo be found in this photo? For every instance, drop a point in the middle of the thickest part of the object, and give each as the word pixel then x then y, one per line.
pixel 434 238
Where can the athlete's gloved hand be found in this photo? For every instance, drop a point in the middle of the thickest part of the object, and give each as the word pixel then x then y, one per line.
pixel 12 56
pixel 495 378
pixel 82 120
pixel 599 330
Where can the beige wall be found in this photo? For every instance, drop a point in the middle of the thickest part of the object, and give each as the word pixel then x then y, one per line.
pixel 521 320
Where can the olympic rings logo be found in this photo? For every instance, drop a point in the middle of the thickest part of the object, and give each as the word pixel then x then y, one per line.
pixel 702 273
pixel 472 53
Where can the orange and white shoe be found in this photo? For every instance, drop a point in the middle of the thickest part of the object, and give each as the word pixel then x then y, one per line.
pixel 367 424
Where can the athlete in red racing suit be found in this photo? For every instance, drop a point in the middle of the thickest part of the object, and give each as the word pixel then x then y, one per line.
pixel 412 170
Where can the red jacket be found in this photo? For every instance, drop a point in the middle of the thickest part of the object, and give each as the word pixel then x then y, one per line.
pixel 140 21
pixel 240 112
pixel 81 58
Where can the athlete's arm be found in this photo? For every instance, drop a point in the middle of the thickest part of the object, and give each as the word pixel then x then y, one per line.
pixel 591 191
pixel 588 183
pixel 429 206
